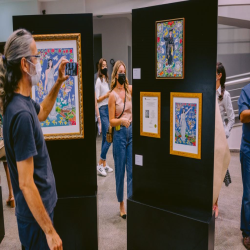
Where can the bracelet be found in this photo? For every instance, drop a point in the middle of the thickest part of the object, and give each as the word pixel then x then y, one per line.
pixel 98 117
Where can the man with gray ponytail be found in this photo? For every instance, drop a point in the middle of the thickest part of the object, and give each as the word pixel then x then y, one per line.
pixel 27 156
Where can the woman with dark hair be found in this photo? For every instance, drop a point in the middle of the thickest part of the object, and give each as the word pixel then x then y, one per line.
pixel 120 117
pixel 227 114
pixel 102 95
pixel 50 81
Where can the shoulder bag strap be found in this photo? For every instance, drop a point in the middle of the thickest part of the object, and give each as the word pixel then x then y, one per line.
pixel 123 107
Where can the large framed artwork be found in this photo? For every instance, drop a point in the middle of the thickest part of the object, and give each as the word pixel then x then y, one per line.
pixel 170 46
pixel 185 124
pixel 65 120
pixel 150 114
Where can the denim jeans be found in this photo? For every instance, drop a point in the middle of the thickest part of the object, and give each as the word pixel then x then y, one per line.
pixel 104 114
pixel 32 236
pixel 122 152
pixel 245 207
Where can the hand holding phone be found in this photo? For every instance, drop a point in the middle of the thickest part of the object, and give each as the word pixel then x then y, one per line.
pixel 71 69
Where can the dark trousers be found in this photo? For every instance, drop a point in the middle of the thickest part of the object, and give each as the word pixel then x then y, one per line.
pixel 32 236
pixel 245 207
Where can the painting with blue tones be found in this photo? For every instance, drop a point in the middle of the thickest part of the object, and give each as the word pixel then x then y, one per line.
pixel 63 112
pixel 170 49
pixel 185 123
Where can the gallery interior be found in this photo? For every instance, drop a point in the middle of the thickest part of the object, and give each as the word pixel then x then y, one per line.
pixel 176 180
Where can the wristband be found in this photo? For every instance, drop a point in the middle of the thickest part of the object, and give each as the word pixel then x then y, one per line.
pixel 98 117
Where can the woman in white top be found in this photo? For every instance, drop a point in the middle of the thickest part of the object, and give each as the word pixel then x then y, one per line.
pixel 227 114
pixel 102 92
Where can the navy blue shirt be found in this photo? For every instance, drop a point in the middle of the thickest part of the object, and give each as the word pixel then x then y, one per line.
pixel 23 138
pixel 244 104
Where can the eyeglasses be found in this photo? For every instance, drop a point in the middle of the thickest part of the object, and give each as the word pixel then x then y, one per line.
pixel 36 56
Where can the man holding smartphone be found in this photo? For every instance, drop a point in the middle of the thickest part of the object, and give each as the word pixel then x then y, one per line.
pixel 27 155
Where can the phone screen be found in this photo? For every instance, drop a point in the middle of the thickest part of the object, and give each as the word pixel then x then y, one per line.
pixel 71 69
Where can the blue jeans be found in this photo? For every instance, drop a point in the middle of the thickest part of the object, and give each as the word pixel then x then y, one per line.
pixel 32 236
pixel 122 152
pixel 104 114
pixel 245 207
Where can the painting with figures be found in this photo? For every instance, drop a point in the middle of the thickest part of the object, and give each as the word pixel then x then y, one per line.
pixel 170 48
pixel 65 117
pixel 185 124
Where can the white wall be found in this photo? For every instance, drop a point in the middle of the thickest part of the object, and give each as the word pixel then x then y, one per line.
pixel 63 7
pixel 116 37
pixel 235 138
pixel 14 9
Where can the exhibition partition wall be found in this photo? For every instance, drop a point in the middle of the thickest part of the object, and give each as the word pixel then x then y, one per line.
pixel 70 127
pixel 174 72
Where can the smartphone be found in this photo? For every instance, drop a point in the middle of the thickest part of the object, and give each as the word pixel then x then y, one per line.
pixel 71 69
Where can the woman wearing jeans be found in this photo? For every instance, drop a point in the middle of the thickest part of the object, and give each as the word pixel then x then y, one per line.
pixel 120 117
pixel 102 94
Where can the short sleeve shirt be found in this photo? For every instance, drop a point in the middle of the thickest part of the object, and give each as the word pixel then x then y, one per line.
pixel 23 138
pixel 244 104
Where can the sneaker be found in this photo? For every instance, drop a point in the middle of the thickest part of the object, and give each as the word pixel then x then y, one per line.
pixel 101 170
pixel 108 168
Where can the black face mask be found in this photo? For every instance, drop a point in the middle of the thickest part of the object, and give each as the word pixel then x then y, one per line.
pixel 104 71
pixel 121 78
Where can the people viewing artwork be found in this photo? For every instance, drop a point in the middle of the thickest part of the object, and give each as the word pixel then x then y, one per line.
pixel 170 49
pixel 102 92
pixel 26 151
pixel 120 117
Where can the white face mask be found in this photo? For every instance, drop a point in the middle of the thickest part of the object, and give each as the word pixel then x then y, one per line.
pixel 36 78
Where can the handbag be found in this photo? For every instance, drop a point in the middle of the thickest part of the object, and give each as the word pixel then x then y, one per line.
pixel 109 134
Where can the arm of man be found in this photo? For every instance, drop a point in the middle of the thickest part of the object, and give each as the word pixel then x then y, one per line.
pixel 49 101
pixel 244 107
pixel 31 194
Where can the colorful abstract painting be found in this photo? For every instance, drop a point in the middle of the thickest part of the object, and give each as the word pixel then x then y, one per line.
pixel 170 49
pixel 63 112
pixel 65 120
pixel 185 123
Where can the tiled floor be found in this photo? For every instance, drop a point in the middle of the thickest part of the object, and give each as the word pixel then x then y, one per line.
pixel 112 228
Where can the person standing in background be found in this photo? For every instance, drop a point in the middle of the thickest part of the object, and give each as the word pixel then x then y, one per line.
pixel 102 95
pixel 120 117
pixel 227 114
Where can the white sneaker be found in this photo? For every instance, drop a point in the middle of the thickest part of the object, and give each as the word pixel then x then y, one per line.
pixel 108 168
pixel 101 170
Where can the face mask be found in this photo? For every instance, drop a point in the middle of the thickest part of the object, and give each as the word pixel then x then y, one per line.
pixel 36 78
pixel 104 71
pixel 121 78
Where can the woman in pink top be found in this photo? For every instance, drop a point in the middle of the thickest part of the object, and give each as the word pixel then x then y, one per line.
pixel 120 117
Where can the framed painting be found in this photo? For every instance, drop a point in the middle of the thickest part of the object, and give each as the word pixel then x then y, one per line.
pixel 185 124
pixel 150 114
pixel 65 120
pixel 170 46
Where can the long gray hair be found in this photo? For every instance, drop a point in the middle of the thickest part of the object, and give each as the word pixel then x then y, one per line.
pixel 17 47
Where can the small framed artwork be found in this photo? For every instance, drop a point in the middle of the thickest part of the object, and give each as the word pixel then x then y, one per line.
pixel 170 46
pixel 185 124
pixel 150 114
pixel 65 120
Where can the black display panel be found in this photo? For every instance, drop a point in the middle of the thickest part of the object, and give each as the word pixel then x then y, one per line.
pixel 176 183
pixel 73 161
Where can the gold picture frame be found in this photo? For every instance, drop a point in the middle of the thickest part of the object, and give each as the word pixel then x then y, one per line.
pixel 161 68
pixel 151 118
pixel 68 116
pixel 185 124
